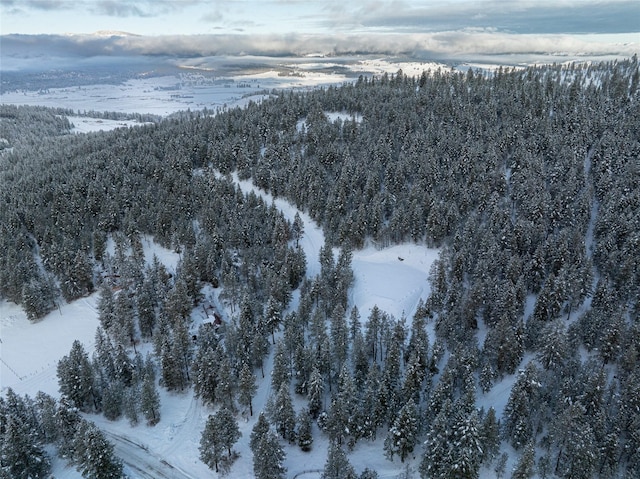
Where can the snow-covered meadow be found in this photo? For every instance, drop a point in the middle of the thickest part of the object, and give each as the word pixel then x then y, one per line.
pixel 163 95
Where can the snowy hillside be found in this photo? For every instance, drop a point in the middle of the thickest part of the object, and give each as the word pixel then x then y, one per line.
pixel 395 279
pixel 455 288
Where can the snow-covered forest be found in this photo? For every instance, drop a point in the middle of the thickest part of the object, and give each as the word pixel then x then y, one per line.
pixel 520 357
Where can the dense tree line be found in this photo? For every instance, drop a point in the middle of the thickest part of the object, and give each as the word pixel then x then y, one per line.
pixel 29 425
pixel 528 179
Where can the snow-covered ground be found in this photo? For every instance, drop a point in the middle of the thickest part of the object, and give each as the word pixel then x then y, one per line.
pixel 394 278
pixel 86 124
pixel 163 95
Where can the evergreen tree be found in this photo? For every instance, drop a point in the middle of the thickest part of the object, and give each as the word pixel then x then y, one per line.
pixel 112 400
pixel 304 433
pixel 259 431
pixel 122 330
pixel 342 414
pixel 280 371
pixel 273 316
pixel 369 408
pixel 315 392
pixel 490 436
pixel 268 458
pixel 67 419
pixel 246 387
pixel 282 414
pixel 226 384
pixel 297 229
pixel 339 337
pixel 452 447
pixel 221 432
pixel 106 307
pixel 76 377
pixel 354 324
pixel 521 406
pixel 131 404
pixel 46 407
pixel 553 345
pixel 21 454
pixel 337 465
pixel 403 434
pixel 204 372
pixel 38 296
pixel 146 302
pixel 94 454
pixel 150 400
pixel 525 467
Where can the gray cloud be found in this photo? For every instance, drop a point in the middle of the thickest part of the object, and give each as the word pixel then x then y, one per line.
pixel 112 8
pixel 435 45
pixel 527 17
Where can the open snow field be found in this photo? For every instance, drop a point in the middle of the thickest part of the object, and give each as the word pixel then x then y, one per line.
pixel 196 88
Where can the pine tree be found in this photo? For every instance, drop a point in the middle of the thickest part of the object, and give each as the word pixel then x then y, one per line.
pixel 211 448
pixel 297 229
pixel 342 414
pixel 304 433
pixel 452 447
pixel 268 458
pixel 21 455
pixel 112 399
pixel 94 454
pixel 122 330
pixel 273 316
pixel 337 465
pixel 367 414
pixel 246 387
pixel 315 392
pixel 525 467
pixel 280 371
pixel 38 296
pixel 490 436
pixel 146 302
pixel 221 432
pixel 521 406
pixel 150 400
pixel 67 419
pixel 339 337
pixel 282 414
pixel 260 429
pixel 204 372
pixel 46 407
pixel 76 377
pixel 226 384
pixel 131 404
pixel 403 434
pixel 553 350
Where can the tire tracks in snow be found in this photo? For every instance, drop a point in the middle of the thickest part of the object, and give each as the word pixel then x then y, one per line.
pixel 141 461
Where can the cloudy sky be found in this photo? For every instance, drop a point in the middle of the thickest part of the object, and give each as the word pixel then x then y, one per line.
pixel 209 27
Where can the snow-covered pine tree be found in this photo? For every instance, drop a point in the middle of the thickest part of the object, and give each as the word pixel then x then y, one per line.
pixel 259 430
pixel 337 465
pixel 76 377
pixel 221 432
pixel 268 457
pixel 247 387
pixel 94 455
pixel 282 414
pixel 403 433
pixel 150 400
pixel 21 453
pixel 304 432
